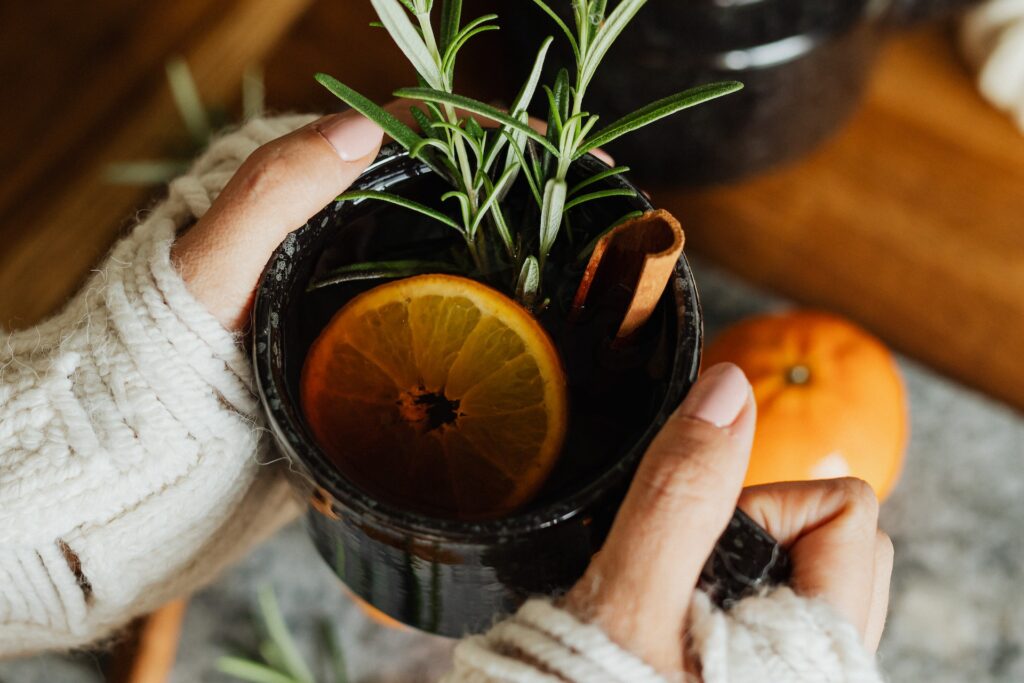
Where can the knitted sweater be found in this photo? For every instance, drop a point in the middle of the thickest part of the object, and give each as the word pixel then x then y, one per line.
pixel 776 638
pixel 992 39
pixel 131 471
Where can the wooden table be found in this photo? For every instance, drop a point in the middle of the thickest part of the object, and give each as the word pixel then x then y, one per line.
pixel 910 221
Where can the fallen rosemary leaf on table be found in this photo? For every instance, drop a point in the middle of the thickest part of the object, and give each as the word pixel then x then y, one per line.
pixel 280 659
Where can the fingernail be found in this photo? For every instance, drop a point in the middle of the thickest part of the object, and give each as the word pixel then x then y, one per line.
pixel 718 396
pixel 352 135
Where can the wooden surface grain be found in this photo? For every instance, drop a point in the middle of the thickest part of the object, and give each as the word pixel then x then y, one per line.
pixel 83 87
pixel 908 221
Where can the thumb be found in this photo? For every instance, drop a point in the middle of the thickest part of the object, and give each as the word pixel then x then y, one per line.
pixel 680 502
pixel 278 188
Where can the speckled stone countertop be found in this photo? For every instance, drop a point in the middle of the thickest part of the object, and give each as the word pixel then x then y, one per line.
pixel 957 520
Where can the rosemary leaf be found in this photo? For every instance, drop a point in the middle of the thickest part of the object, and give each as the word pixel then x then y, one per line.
pixel 278 632
pixel 601 194
pixel 144 172
pixel 612 28
pixel 558 106
pixel 528 285
pixel 551 214
pixel 598 177
pixel 408 40
pixel 658 110
pixel 597 10
pixel 563 94
pixel 527 171
pixel 501 225
pixel 451 19
pixel 188 102
pixel 417 152
pixel 585 131
pixel 475 107
pixel 253 672
pixel 463 200
pixel 449 61
pixel 493 196
pixel 520 108
pixel 253 93
pixel 561 24
pixel 554 116
pixel 478 25
pixel 525 96
pixel 473 142
pixel 273 656
pixel 474 129
pixel 423 121
pixel 402 134
pixel 378 270
pixel 400 201
pixel 334 649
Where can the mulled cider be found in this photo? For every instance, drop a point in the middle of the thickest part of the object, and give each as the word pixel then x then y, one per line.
pixel 436 392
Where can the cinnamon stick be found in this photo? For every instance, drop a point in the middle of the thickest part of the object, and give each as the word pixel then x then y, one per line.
pixel 639 257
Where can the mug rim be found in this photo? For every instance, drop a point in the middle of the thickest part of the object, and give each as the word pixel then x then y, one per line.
pixel 278 407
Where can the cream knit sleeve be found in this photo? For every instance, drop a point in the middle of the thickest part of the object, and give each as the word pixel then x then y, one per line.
pixel 777 638
pixel 130 438
pixel 992 40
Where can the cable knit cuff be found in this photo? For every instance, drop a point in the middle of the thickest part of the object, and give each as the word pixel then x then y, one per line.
pixel 777 638
pixel 130 437
pixel 542 644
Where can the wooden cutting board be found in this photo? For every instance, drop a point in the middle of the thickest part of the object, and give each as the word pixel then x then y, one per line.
pixel 910 221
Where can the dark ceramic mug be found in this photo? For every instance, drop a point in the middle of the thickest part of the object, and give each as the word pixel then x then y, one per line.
pixel 447 576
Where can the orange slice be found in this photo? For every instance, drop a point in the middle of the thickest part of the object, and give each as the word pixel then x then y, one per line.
pixel 438 393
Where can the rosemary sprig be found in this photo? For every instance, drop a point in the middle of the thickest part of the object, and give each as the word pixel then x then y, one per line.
pixel 482 165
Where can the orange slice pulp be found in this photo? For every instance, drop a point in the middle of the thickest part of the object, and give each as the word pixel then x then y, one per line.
pixel 438 393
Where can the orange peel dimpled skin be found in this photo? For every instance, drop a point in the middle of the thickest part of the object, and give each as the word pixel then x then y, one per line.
pixel 830 399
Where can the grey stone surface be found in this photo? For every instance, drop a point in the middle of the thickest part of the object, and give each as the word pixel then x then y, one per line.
pixel 957 519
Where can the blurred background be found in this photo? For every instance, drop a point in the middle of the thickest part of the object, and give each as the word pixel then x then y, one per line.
pixel 861 171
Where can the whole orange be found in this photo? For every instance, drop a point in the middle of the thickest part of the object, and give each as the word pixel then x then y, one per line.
pixel 830 399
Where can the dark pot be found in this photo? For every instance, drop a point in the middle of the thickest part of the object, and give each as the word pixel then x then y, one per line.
pixel 803 62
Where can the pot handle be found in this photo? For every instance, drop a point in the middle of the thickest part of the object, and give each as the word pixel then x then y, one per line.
pixel 745 560
pixel 902 13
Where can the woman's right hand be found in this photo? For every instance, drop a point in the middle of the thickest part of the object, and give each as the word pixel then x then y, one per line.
pixel 839 554
pixel 639 587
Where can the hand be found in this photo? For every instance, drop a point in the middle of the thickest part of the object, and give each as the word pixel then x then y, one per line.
pixel 279 187
pixel 638 588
